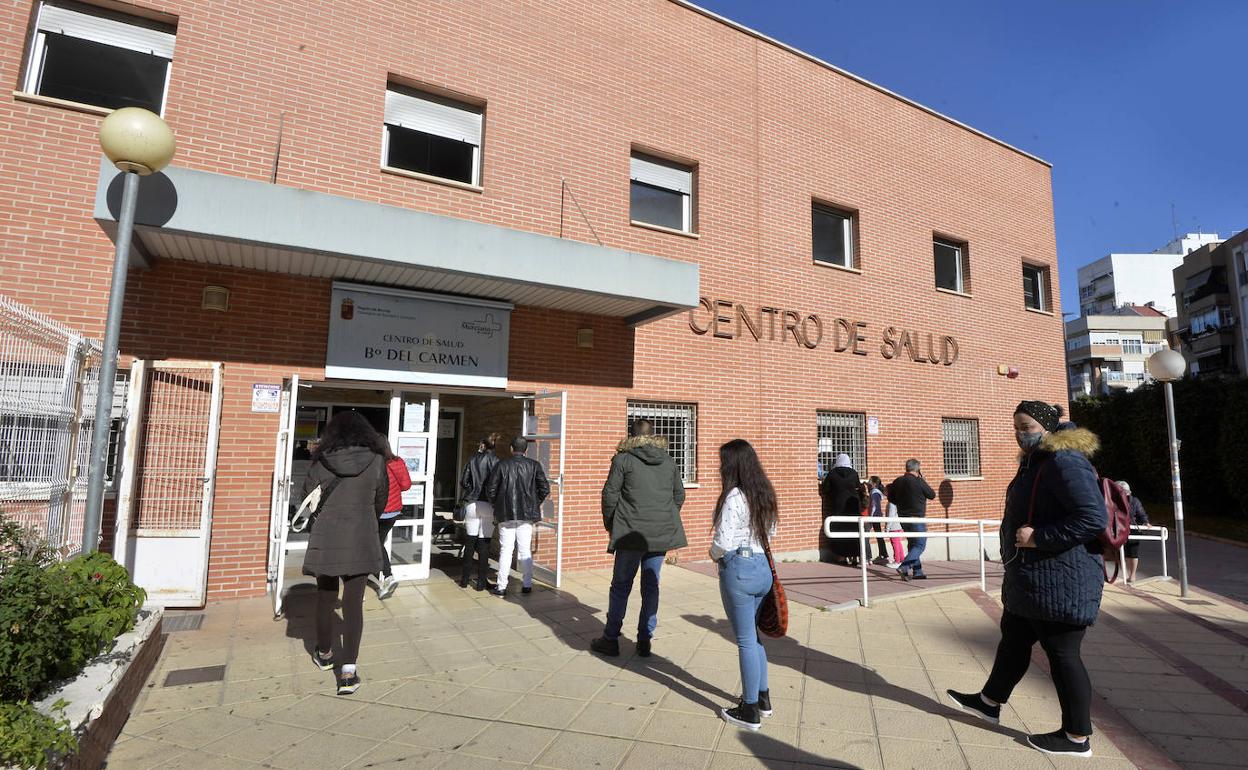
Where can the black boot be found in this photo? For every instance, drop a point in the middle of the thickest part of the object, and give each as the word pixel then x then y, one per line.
pixel 744 715
pixel 764 703
pixel 469 548
pixel 483 561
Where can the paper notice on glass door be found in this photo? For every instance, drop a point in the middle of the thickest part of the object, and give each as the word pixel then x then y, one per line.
pixel 413 450
pixel 413 417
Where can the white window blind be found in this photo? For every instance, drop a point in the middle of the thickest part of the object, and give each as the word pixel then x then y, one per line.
pixel 136 35
pixel 434 116
pixel 667 176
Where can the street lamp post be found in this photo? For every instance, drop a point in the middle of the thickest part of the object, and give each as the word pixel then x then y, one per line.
pixel 1168 366
pixel 138 143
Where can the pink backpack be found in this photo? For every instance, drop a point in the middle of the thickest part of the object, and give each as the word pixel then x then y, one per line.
pixel 1117 526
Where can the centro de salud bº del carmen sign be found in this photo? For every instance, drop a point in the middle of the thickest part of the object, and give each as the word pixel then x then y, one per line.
pixel 726 319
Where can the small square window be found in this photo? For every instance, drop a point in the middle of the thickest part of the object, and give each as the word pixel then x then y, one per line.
pixel 1036 287
pixel 952 269
pixel 430 135
pixel 102 58
pixel 832 235
pixel 678 423
pixel 961 447
pixel 661 193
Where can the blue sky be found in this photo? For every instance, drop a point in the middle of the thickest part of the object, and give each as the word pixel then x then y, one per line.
pixel 1138 104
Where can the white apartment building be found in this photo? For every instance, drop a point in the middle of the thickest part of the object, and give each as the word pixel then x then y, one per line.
pixel 1118 280
pixel 1108 352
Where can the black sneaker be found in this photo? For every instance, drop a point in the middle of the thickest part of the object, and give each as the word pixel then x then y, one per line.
pixel 1058 744
pixel 604 646
pixel 971 703
pixel 904 575
pixel 744 715
pixel 643 648
pixel 479 586
pixel 764 703
pixel 323 661
pixel 526 589
pixel 348 684
pixel 463 582
pixel 496 591
pixel 920 576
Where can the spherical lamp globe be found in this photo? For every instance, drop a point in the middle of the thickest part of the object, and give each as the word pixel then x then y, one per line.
pixel 137 140
pixel 1167 365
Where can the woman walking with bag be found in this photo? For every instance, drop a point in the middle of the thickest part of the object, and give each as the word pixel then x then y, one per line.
pixel 745 520
pixel 350 468
pixel 1054 575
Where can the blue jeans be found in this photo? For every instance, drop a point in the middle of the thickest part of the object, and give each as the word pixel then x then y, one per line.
pixel 626 565
pixel 743 584
pixel 917 546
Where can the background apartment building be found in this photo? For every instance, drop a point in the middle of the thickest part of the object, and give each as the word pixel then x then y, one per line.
pixel 1118 280
pixel 1212 287
pixel 1107 353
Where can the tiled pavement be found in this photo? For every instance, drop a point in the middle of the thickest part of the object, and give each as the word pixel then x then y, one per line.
pixel 456 678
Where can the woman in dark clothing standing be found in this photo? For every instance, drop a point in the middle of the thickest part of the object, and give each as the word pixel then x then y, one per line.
pixel 1053 573
pixel 350 468
pixel 1139 518
pixel 839 492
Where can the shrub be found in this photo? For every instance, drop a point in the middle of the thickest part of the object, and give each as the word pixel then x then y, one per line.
pixel 29 738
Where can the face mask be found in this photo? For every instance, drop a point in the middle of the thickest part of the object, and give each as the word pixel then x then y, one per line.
pixel 1027 441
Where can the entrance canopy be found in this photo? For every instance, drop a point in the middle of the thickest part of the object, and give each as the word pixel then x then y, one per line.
pixel 217 219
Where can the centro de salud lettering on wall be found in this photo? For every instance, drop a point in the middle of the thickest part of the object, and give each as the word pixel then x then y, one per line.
pixel 726 319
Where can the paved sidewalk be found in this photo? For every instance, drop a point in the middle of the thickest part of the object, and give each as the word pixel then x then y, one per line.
pixel 459 679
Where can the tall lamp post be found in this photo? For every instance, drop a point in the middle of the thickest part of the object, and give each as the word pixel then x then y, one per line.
pixel 1168 366
pixel 138 143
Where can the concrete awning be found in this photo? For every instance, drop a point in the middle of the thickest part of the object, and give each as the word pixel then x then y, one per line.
pixel 215 219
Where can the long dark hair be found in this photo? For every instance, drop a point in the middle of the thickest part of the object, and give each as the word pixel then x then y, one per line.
pixel 739 467
pixel 348 429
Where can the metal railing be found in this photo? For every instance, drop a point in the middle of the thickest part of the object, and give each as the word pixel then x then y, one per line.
pixel 49 376
pixel 864 534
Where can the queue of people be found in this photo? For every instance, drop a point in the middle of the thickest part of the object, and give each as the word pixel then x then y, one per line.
pixel 1049 534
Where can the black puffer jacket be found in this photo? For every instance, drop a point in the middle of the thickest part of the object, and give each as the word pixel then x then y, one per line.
pixel 344 540
pixel 472 481
pixel 516 488
pixel 1062 578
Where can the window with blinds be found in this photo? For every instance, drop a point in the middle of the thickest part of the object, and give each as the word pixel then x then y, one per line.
pixel 842 432
pixel 430 135
pixel 660 193
pixel 678 423
pixel 99 57
pixel 961 445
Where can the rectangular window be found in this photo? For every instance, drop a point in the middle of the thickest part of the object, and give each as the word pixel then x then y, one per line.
pixel 842 432
pixel 832 235
pixel 431 135
pixel 98 57
pixel 678 423
pixel 951 265
pixel 1035 287
pixel 661 193
pixel 961 445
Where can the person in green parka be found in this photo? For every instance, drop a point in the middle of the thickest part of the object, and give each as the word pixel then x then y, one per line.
pixel 641 512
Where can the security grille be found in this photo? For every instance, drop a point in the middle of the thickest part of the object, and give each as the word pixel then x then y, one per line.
pixel 171 482
pixel 678 423
pixel 961 443
pixel 842 432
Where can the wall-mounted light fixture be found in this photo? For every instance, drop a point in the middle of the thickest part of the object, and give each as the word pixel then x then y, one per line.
pixel 216 298
pixel 584 338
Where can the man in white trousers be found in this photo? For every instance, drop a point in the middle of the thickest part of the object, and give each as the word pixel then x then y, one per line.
pixel 516 488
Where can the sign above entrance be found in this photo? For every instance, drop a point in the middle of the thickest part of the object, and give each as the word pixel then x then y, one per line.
pixel 429 339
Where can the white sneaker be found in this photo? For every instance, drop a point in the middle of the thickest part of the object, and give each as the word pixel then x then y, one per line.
pixel 893 564
pixel 387 587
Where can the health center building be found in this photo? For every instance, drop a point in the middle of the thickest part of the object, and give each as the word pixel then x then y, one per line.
pixel 543 219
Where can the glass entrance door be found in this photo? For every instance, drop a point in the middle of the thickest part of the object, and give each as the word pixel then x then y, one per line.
pixel 414 437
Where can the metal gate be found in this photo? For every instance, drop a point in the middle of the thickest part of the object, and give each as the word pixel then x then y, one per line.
pixel 545 426
pixel 164 515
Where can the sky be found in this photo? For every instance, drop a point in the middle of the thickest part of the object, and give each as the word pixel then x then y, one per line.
pixel 1140 105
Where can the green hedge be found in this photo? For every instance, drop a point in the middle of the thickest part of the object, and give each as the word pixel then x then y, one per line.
pixel 1211 417
pixel 54 617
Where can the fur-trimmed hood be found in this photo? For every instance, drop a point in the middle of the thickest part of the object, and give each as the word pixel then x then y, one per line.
pixel 1073 439
pixel 651 450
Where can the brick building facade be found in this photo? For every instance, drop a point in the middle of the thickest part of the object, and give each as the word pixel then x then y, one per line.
pixel 569 92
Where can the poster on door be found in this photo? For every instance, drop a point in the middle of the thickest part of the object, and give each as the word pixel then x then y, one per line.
pixel 401 336
pixel 413 451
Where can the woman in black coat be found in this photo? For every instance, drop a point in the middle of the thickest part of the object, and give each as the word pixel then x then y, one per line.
pixel 840 497
pixel 1054 574
pixel 350 468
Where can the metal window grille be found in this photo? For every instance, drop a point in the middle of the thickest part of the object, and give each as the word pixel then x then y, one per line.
pixel 678 423
pixel 842 432
pixel 48 378
pixel 961 444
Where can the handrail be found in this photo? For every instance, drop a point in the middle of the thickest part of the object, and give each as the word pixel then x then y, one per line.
pixel 863 535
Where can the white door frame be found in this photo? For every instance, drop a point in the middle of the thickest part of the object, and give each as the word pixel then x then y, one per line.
pixel 279 523
pixel 530 432
pixel 421 525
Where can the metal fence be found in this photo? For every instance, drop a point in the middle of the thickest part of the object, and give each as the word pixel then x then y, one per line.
pixel 49 377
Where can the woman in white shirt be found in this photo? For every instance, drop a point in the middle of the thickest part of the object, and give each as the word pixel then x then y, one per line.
pixel 745 518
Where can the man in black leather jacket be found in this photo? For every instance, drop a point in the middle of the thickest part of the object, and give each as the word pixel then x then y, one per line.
pixel 516 488
pixel 478 513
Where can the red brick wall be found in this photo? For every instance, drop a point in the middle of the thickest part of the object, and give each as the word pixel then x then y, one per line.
pixel 570 87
